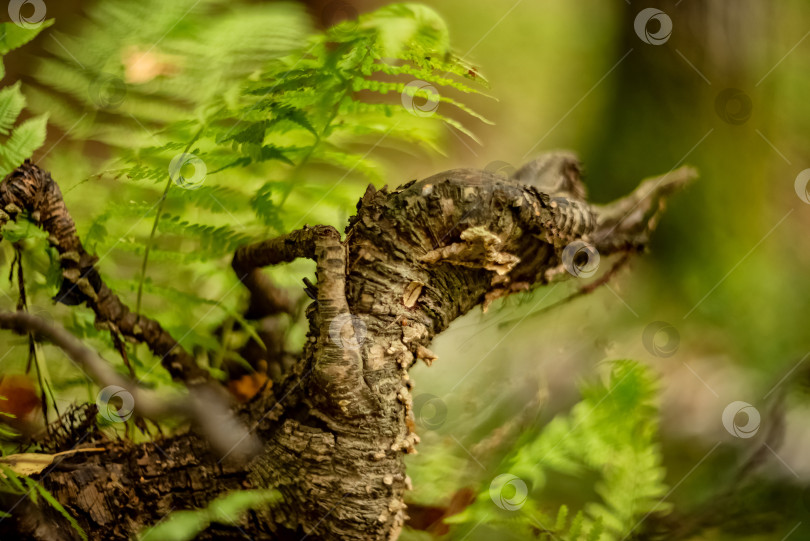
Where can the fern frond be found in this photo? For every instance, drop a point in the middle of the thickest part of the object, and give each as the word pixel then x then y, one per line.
pixel 279 115
pixel 430 77
pixel 11 105
pixel 611 432
pixel 209 240
pixel 226 509
pixel 267 211
pixel 24 140
pixel 11 482
pixel 35 487
pixel 14 36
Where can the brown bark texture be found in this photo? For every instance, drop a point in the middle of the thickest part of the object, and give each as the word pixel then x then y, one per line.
pixel 337 422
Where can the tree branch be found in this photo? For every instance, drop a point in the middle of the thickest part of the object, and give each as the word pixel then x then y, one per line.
pixel 207 409
pixel 628 222
pixel 265 298
pixel 337 374
pixel 30 189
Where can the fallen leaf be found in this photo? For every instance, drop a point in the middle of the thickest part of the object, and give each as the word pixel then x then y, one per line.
pixel 27 464
pixel 246 387
pixel 18 397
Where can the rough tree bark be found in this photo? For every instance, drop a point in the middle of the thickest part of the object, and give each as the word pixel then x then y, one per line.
pixel 336 425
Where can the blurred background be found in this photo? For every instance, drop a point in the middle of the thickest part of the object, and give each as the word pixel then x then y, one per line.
pixel 716 308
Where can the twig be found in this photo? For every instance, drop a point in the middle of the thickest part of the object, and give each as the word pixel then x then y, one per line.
pixel 582 291
pixel 32 189
pixel 204 404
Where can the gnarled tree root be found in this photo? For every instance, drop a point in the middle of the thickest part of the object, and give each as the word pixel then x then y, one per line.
pixel 336 429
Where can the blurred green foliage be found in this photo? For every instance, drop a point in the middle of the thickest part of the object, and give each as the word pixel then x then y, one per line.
pixel 611 433
pixel 20 141
pixel 227 509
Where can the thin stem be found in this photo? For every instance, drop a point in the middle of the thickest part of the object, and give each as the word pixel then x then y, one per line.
pixel 584 290
pixel 155 225
pixel 318 140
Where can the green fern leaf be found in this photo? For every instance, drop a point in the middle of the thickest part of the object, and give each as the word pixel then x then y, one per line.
pixel 264 207
pixel 53 502
pixel 13 36
pixel 11 104
pixel 596 530
pixel 575 530
pixel 24 140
